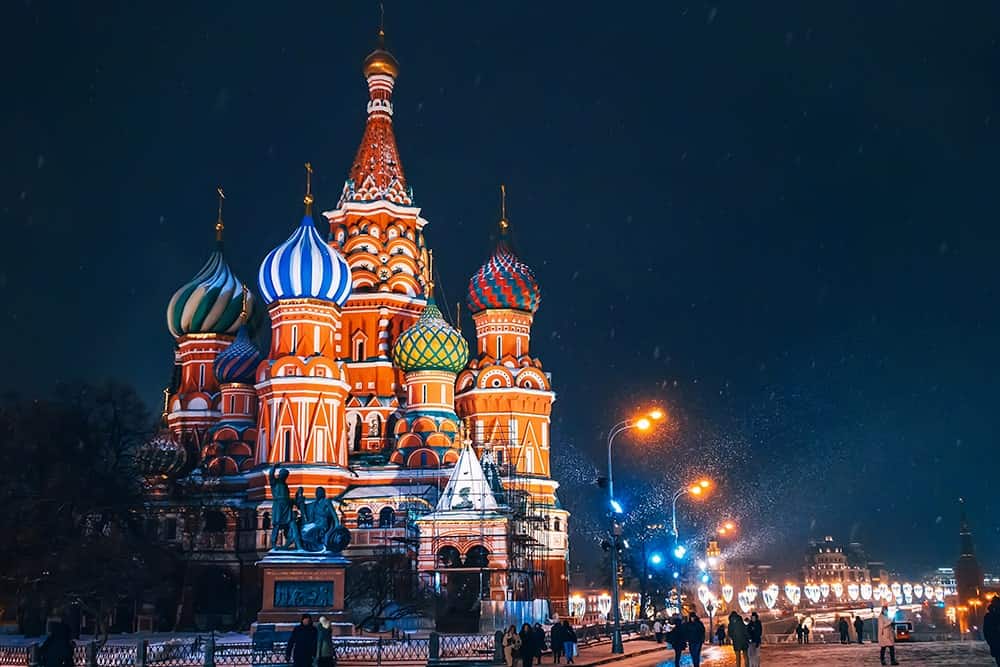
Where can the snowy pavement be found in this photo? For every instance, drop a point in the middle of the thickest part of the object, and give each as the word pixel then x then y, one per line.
pixel 929 654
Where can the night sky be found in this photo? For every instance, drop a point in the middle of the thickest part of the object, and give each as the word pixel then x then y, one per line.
pixel 778 220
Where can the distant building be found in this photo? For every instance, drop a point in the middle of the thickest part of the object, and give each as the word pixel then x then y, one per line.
pixel 943 578
pixel 968 573
pixel 828 561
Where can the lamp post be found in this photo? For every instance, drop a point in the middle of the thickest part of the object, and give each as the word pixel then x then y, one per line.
pixel 642 424
pixel 696 489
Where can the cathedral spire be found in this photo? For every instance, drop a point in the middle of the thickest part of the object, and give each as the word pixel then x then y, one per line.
pixel 377 172
pixel 219 226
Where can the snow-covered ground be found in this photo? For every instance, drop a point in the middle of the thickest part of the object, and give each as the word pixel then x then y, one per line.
pixel 931 654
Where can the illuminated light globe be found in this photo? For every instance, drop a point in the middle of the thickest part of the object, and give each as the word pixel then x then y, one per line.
pixel 727 593
pixel 824 590
pixel 853 591
pixel 907 589
pixel 770 596
pixel 812 593
pixel 896 589
pixel 939 593
pixel 866 591
pixel 837 588
pixel 577 606
pixel 908 597
pixel 604 604
pixel 918 590
pixel 746 604
pixel 884 592
pixel 793 593
pixel 751 590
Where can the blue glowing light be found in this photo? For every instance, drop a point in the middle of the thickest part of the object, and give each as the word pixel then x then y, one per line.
pixel 616 506
pixel 677 575
pixel 679 551
pixel 656 559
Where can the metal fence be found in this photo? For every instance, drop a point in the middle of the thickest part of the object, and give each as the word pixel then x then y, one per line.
pixel 206 652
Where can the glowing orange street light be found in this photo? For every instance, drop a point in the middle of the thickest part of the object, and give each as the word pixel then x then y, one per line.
pixel 697 489
pixel 643 424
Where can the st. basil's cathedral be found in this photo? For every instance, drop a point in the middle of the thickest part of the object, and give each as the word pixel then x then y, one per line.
pixel 433 453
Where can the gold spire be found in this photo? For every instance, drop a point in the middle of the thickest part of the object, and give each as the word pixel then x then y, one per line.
pixel 458 317
pixel 245 303
pixel 218 221
pixel 381 25
pixel 430 274
pixel 166 402
pixel 504 225
pixel 380 61
pixel 308 199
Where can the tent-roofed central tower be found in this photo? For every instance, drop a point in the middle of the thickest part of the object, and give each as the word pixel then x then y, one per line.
pixel 379 231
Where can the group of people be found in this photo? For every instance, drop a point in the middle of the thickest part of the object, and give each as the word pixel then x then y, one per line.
pixel 682 634
pixel 529 644
pixel 745 635
pixel 844 628
pixel 308 644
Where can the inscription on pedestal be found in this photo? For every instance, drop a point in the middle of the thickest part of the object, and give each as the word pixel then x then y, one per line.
pixel 303 594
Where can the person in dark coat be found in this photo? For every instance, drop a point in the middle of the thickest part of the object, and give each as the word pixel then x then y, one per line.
pixel 675 637
pixel 528 645
pixel 799 634
pixel 57 649
pixel 755 633
pixel 556 641
pixel 301 649
pixel 569 642
pixel 539 641
pixel 845 630
pixel 859 628
pixel 991 628
pixel 740 638
pixel 324 643
pixel 720 634
pixel 694 635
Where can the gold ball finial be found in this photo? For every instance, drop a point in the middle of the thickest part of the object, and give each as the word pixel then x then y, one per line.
pixel 219 227
pixel 308 199
pixel 380 61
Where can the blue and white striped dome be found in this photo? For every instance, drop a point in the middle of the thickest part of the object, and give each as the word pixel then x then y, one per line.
pixel 305 267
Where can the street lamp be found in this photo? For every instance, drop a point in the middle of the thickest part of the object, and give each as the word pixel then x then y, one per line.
pixel 696 489
pixel 643 423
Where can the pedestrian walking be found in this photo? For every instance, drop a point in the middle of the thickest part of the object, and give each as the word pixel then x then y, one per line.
pixel 720 634
pixel 886 636
pixel 324 643
pixel 859 629
pixel 845 630
pixel 805 633
pixel 557 642
pixel 740 639
pixel 539 641
pixel 301 648
pixel 57 649
pixel 658 631
pixel 755 634
pixel 569 642
pixel 800 632
pixel 511 646
pixel 991 628
pixel 528 645
pixel 675 637
pixel 694 634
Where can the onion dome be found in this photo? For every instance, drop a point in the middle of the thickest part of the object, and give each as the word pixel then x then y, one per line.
pixel 161 456
pixel 504 281
pixel 305 266
pixel 431 344
pixel 380 61
pixel 238 362
pixel 212 301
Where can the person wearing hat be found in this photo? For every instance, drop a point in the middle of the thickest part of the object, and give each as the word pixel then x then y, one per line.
pixel 991 628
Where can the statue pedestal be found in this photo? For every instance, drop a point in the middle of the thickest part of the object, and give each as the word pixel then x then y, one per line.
pixel 297 583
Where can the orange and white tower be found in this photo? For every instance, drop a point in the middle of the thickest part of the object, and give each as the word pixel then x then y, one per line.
pixel 379 231
pixel 302 386
pixel 507 399
pixel 203 315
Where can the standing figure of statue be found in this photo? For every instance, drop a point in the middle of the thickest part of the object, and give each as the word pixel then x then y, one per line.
pixel 282 516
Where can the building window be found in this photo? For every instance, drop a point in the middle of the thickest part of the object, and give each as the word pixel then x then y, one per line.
pixel 556 524
pixel 232 404
pixel 365 518
pixel 387 518
pixel 295 338
pixel 215 521
pixel 512 426
pixel 499 346
pixel 288 446
pixel 423 393
pixel 423 459
pixel 499 456
pixel 359 350
pixel 201 376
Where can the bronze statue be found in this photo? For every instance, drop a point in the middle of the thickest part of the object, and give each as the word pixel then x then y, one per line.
pixel 282 517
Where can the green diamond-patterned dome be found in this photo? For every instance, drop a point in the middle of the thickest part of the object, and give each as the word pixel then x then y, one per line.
pixel 431 344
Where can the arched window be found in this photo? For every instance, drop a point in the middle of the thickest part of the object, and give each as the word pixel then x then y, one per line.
pixel 478 556
pixel 423 459
pixel 449 557
pixel 365 518
pixel 215 521
pixel 387 518
pixel 359 350
pixel 557 524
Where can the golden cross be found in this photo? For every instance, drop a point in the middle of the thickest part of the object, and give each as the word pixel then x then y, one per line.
pixel 503 208
pixel 218 223
pixel 308 199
